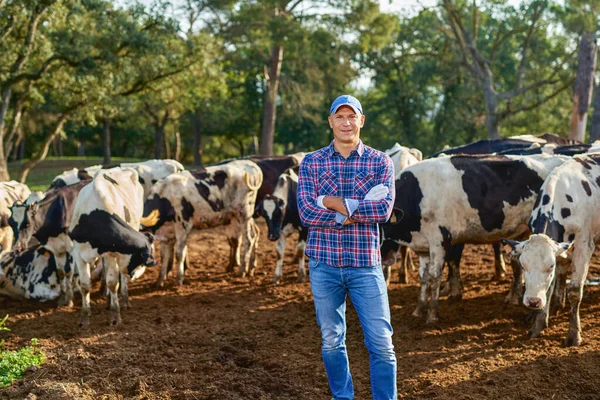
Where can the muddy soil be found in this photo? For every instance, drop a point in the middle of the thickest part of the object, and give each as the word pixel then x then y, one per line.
pixel 221 337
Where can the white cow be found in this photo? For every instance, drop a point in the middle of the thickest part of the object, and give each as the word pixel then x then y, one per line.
pixel 10 193
pixel 104 225
pixel 565 223
pixel 220 195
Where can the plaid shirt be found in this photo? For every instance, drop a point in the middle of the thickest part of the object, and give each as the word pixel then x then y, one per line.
pixel 326 172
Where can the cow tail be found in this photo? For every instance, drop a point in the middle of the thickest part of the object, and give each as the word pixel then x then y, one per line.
pixel 250 186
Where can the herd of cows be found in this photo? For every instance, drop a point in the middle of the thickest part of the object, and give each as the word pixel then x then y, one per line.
pixel 536 195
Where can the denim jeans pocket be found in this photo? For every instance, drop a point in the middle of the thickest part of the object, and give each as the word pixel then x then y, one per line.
pixel 312 263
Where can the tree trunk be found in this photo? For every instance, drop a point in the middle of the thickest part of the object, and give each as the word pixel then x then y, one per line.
pixel 4 176
pixel 158 138
pixel 270 105
pixel 595 129
pixel 29 165
pixel 167 144
pixel 81 147
pixel 584 85
pixel 106 140
pixel 197 138
pixel 177 145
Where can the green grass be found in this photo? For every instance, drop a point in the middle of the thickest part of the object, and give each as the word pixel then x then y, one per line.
pixel 40 177
pixel 13 364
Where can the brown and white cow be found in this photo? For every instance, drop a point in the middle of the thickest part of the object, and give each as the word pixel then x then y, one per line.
pixel 105 224
pixel 566 224
pixel 219 195
pixel 463 199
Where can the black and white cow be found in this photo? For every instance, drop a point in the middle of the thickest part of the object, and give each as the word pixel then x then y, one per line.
pixel 29 274
pixel 402 157
pixel 463 199
pixel 149 173
pixel 280 210
pixel 48 223
pixel 219 195
pixel 10 193
pixel 105 223
pixel 565 225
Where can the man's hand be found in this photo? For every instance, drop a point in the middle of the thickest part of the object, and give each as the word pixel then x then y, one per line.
pixel 377 192
pixel 335 204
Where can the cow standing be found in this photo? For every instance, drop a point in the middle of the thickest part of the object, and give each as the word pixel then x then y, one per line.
pixel 402 157
pixel 104 225
pixel 219 195
pixel 565 220
pixel 463 199
pixel 280 210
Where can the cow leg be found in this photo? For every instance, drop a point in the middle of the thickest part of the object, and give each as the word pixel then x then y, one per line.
pixel 253 246
pixel 540 317
pixel 112 284
pixel 560 289
pixel 499 265
pixel 124 291
pixel 515 293
pixel 234 239
pixel 248 235
pixel 300 255
pixel 180 256
pixel 434 281
pixel 453 286
pixel 582 252
pixel 85 285
pixel 280 246
pixel 404 261
pixel 166 252
pixel 423 293
pixel 66 280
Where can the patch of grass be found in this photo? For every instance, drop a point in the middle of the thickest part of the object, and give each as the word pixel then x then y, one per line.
pixel 42 175
pixel 13 364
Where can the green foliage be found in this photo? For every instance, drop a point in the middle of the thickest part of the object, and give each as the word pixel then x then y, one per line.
pixel 13 364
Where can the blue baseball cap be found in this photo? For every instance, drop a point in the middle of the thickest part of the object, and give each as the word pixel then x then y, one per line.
pixel 346 100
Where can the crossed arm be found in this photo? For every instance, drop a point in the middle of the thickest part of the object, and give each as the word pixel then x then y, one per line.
pixel 335 212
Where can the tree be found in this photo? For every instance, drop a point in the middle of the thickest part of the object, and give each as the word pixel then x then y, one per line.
pixel 581 17
pixel 483 39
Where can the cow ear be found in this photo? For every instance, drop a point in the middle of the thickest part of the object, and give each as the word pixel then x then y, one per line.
pixel 564 250
pixel 396 217
pixel 512 248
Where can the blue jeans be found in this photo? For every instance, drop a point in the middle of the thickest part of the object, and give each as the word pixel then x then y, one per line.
pixel 368 292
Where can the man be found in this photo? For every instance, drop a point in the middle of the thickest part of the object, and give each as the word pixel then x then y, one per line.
pixel 344 191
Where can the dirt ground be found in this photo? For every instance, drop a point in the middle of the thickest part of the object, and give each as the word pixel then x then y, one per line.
pixel 220 337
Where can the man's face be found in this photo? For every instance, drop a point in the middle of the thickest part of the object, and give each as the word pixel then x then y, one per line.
pixel 346 125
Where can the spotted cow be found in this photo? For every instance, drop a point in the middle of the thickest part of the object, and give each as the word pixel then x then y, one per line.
pixel 402 157
pixel 10 193
pixel 219 195
pixel 29 274
pixel 463 199
pixel 280 210
pixel 565 226
pixel 47 223
pixel 104 225
pixel 149 173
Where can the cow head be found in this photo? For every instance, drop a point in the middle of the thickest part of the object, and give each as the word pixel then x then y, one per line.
pixel 21 217
pixel 143 257
pixel 273 210
pixel 157 211
pixel 538 258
